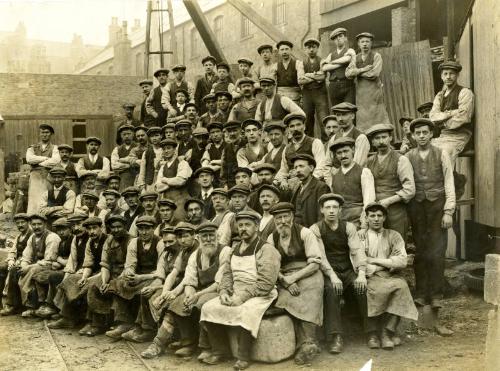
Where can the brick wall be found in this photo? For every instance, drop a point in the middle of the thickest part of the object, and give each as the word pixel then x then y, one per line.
pixel 40 94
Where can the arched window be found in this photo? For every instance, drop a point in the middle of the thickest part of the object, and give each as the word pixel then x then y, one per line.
pixel 219 29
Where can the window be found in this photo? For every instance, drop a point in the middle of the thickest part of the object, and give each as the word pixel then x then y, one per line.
pixel 194 43
pixel 279 12
pixel 246 27
pixel 218 29
pixel 139 62
pixel 79 137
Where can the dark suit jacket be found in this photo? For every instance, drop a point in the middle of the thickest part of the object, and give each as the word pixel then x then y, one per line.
pixel 208 210
pixel 306 202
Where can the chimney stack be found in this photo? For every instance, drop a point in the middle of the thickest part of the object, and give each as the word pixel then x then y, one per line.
pixel 113 30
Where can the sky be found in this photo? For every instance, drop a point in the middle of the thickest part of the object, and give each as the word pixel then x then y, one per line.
pixel 58 20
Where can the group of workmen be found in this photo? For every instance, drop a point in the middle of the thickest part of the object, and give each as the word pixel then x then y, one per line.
pixel 218 208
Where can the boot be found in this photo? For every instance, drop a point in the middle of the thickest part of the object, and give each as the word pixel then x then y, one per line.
pixel 241 365
pixel 45 311
pixel 157 347
pixel 306 354
pixel 61 323
pixel 385 339
pixel 85 329
pixel 337 345
pixel 7 310
pixel 117 332
pixel 138 335
pixel 373 341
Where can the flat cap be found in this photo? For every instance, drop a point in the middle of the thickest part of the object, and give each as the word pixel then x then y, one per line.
pixel 245 80
pixel 365 34
pixel 239 188
pixel 47 127
pixel 305 157
pixel 203 170
pixel 284 42
pixel 248 214
pixel 374 206
pixel 179 67
pixel 403 119
pixel 65 146
pixel 141 127
pixel 148 194
pixel 313 41
pixel 130 191
pixel 168 229
pixel 58 170
pixel 182 91
pixel 94 220
pixel 125 127
pixel 264 47
pixel 190 104
pixel 22 216
pixel 248 122
pixel 331 196
pixel 145 220
pixel 282 207
pixel 154 130
pixel 265 166
pixel 184 227
pixel 168 142
pixel 93 139
pixel 209 58
pixel 450 65
pixel 113 176
pixel 267 80
pixel 274 125
pixel 232 124
pixel 111 192
pixel 77 217
pixel 167 202
pixel 197 132
pixel 294 116
pixel 421 121
pixel 193 201
pixel 338 31
pixel 223 65
pixel 183 123
pixel 215 125
pixel 206 227
pixel 329 117
pixel 90 194
pixel 38 216
pixel 379 128
pixel 209 96
pixel 116 218
pixel 146 82
pixel 342 142
pixel 170 125
pixel 245 60
pixel 344 107
pixel 128 105
pixel 220 191
pixel 424 107
pixel 223 93
pixel 88 174
pixel 242 169
pixel 269 187
pixel 160 70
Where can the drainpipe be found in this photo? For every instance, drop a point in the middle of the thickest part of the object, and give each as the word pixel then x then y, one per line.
pixel 308 23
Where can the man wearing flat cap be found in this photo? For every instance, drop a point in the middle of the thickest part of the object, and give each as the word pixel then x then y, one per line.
pixel 223 215
pixel 267 196
pixel 246 291
pixel 205 177
pixel 232 143
pixel 344 267
pixel 94 163
pixel 308 192
pixel 314 95
pixel 128 109
pixel 65 153
pixel 123 159
pixel 148 200
pixel 9 270
pixel 145 111
pixel 267 69
pixel 172 177
pixel 288 72
pixel 276 146
pixel 300 281
pixel 341 88
pixel 213 151
pixel 150 160
pixel 408 142
pixel 166 210
pixel 41 156
pixel 424 109
pixel 388 295
pixel 352 181
pixel 153 102
pixel 179 106
pixel 111 198
pixel 254 150
pixel 247 106
pixel 224 100
pixel 452 112
pixel 224 81
pixel 204 83
pixel 431 214
pixel 211 114
pixel 39 254
pixel 179 83
pixel 300 143
pixel 58 200
pixel 393 176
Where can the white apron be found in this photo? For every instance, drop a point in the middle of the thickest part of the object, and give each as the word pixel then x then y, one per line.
pixel 37 187
pixel 247 315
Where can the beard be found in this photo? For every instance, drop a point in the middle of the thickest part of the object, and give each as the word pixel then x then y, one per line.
pixel 284 230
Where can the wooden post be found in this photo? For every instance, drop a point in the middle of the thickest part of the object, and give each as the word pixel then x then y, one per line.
pixel 148 37
pixel 204 29
pixel 450 28
pixel 173 39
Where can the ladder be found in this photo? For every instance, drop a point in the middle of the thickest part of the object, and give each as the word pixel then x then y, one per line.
pixel 173 43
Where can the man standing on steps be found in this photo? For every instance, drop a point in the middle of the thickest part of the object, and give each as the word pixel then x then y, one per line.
pixel 341 88
pixel 94 163
pixel 204 84
pixel 179 83
pixel 145 115
pixel 393 176
pixel 153 104
pixel 288 71
pixel 431 214
pixel 41 156
pixel 314 95
pixel 247 106
pixel 123 160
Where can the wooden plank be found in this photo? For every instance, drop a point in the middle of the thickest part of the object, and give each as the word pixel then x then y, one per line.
pixel 54 117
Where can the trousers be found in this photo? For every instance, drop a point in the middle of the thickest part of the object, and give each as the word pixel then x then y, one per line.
pixel 315 105
pixel 219 341
pixel 342 91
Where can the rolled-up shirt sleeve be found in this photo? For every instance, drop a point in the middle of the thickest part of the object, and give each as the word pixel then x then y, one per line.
pixel 325 266
pixel 70 266
pixel 288 104
pixel 160 264
pixel 318 151
pixel 449 183
pixel 311 246
pixel 191 272
pixel 51 247
pixel 405 175
pixel 131 259
pixel 460 116
pixel 358 255
pixel 361 150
